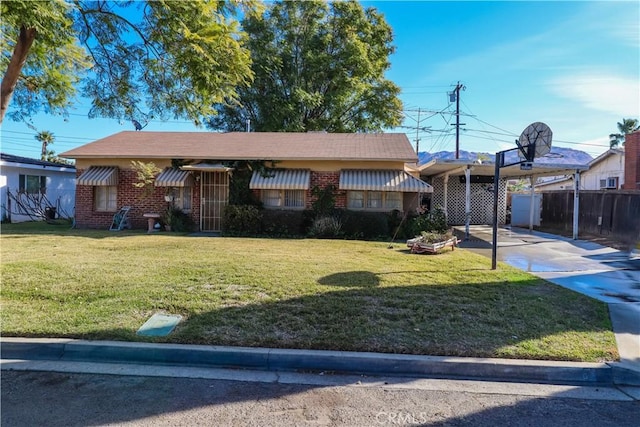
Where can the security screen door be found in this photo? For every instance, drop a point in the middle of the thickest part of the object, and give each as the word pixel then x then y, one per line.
pixel 214 190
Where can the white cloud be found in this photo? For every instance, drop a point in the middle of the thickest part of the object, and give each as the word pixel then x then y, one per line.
pixel 603 92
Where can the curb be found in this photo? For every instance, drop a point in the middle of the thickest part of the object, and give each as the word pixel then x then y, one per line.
pixel 513 370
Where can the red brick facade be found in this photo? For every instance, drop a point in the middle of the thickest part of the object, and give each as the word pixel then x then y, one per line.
pixel 322 180
pixel 128 195
pixel 632 161
pixel 141 203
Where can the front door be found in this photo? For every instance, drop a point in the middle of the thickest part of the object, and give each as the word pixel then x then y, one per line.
pixel 214 191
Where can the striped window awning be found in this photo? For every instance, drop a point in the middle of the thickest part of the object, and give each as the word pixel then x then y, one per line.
pixel 99 176
pixel 207 167
pixel 172 177
pixel 382 180
pixel 286 179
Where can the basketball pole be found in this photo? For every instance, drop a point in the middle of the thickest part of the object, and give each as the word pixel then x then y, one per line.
pixel 529 154
pixel 533 134
pixel 496 184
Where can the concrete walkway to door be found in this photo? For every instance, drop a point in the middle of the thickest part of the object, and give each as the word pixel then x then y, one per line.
pixel 599 272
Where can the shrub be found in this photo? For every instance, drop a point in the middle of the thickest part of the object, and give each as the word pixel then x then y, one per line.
pixel 394 222
pixel 434 221
pixel 364 225
pixel 435 237
pixel 283 223
pixel 178 220
pixel 326 226
pixel 241 220
pixel 325 201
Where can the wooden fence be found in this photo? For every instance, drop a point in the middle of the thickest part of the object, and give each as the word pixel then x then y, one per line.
pixel 615 214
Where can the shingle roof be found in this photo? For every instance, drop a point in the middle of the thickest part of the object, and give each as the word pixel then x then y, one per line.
pixel 250 146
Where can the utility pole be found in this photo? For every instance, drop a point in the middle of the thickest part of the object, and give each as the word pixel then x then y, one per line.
pixel 456 91
pixel 417 133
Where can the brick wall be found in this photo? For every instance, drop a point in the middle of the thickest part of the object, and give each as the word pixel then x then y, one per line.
pixel 128 195
pixel 323 179
pixel 632 161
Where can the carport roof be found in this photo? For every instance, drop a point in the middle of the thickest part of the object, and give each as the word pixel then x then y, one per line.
pixel 437 167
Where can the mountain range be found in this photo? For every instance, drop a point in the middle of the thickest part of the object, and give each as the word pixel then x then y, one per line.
pixel 558 155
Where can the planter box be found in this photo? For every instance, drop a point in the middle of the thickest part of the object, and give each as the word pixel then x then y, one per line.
pixel 417 246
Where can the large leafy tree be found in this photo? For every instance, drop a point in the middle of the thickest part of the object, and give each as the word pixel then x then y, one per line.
pixel 135 59
pixel 318 67
pixel 624 128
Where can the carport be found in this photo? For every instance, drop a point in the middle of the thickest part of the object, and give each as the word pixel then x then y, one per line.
pixel 465 189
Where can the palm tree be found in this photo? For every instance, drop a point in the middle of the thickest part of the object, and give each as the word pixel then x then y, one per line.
pixel 626 127
pixel 46 138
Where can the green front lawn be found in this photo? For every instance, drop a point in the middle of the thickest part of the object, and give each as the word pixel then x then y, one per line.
pixel 315 294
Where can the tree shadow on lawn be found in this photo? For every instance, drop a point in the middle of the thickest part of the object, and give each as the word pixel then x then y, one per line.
pixel 529 319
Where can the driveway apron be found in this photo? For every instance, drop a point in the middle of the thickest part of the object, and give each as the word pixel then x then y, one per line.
pixel 600 272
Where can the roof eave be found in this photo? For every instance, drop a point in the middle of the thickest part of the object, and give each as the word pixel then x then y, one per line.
pixel 182 156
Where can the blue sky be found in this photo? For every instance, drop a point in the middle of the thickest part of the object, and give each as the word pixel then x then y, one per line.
pixel 573 65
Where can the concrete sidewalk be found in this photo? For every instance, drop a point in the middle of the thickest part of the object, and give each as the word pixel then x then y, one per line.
pixel 599 272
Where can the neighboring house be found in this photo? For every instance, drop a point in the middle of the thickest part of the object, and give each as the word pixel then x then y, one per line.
pixel 49 185
pixel 557 183
pixel 606 172
pixel 368 171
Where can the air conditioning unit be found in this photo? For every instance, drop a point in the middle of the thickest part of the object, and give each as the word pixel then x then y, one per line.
pixel 611 182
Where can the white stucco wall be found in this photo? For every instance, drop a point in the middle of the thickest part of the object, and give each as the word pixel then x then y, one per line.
pixel 61 187
pixel 609 167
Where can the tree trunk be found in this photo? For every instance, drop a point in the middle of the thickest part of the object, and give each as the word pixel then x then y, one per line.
pixel 18 58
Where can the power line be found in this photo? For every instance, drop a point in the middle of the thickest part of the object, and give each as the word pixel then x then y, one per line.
pixel 57 142
pixel 57 136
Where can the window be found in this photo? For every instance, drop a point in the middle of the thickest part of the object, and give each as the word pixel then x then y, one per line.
pixel 271 198
pixel 185 198
pixel 283 198
pixel 611 182
pixel 294 198
pixel 32 184
pixel 393 201
pixel 374 200
pixel 181 197
pixel 106 198
pixel 355 199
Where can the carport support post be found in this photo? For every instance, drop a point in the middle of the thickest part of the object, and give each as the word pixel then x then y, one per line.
pixel 576 203
pixel 532 181
pixel 496 181
pixel 467 202
pixel 446 186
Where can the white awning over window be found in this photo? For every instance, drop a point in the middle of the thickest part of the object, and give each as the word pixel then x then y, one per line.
pixel 99 176
pixel 207 167
pixel 287 179
pixel 382 180
pixel 172 177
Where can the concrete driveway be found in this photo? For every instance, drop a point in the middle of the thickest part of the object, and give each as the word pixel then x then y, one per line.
pixel 600 272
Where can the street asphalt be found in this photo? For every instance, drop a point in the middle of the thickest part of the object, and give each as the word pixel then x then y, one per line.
pixel 597 271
